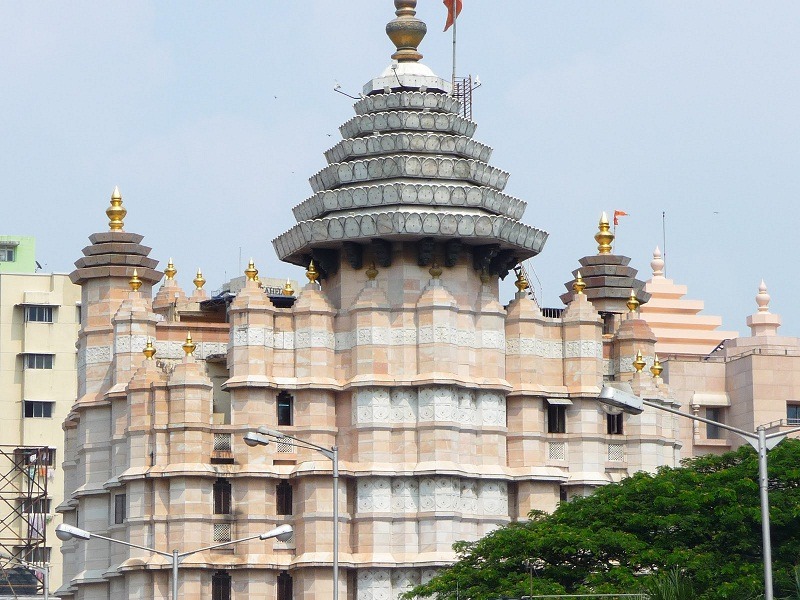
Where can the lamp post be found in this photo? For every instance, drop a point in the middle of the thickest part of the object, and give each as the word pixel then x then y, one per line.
pixel 760 440
pixel 43 569
pixel 263 437
pixel 67 532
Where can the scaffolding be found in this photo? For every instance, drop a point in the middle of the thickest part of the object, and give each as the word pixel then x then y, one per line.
pixel 24 507
pixel 462 91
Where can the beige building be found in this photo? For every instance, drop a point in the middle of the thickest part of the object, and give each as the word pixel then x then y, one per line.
pixel 39 321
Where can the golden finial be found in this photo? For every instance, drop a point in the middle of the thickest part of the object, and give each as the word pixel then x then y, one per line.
pixel 435 270
pixel 633 301
pixel 639 363
pixel 656 369
pixel 116 212
pixel 199 280
pixel 188 346
pixel 149 350
pixel 251 272
pixel 311 273
pixel 372 272
pixel 406 31
pixel 522 281
pixel 485 277
pixel 134 281
pixel 288 290
pixel 170 271
pixel 578 285
pixel 604 237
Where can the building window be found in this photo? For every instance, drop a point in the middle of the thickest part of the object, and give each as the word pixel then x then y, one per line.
pixel 283 498
pixel 221 586
pixel 35 506
pixel 556 418
pixel 285 405
pixel 714 432
pixel 39 314
pixel 7 254
pixel 37 409
pixel 35 456
pixel 563 495
pixel 222 497
pixel 120 508
pixel 284 586
pixel 38 361
pixel 37 555
pixel 608 322
pixel 793 414
pixel 614 424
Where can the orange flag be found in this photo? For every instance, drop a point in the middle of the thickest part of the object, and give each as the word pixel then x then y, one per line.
pixel 453 10
pixel 618 214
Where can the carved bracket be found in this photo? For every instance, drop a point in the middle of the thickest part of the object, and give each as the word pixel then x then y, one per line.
pixel 425 250
pixel 354 254
pixel 452 250
pixel 326 261
pixel 382 251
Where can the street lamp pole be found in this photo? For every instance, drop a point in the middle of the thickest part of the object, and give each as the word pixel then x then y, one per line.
pixel 43 569
pixel 67 532
pixel 760 440
pixel 263 437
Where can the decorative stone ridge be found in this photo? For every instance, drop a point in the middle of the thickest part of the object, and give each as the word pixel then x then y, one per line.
pixel 407 121
pixel 407 100
pixel 399 225
pixel 413 167
pixel 424 143
pixel 115 254
pixel 394 194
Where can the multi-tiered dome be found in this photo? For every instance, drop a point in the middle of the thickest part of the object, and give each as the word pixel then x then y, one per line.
pixel 407 170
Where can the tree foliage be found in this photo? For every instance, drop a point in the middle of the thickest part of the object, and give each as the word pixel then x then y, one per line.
pixel 702 519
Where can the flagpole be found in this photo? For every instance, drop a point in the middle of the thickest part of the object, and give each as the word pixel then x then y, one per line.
pixel 664 239
pixel 455 20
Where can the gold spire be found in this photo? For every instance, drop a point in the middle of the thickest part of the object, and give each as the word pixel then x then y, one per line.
pixel 149 350
pixel 522 281
pixel 406 31
pixel 633 301
pixel 188 346
pixel 311 273
pixel 435 270
pixel 288 290
pixel 199 280
pixel 372 272
pixel 251 272
pixel 116 212
pixel 170 271
pixel 639 363
pixel 604 237
pixel 578 285
pixel 656 369
pixel 134 281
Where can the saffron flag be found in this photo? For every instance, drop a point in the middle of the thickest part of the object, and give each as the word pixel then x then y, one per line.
pixel 453 10
pixel 618 214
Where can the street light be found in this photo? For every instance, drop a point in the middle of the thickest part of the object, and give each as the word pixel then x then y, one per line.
pixel 760 440
pixel 43 569
pixel 263 437
pixel 67 532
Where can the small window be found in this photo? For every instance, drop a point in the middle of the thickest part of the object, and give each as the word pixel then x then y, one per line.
pixel 39 314
pixel 120 508
pixel 36 506
pixel 284 586
pixel 220 586
pixel 285 402
pixel 608 322
pixel 78 319
pixel 714 432
pixel 222 497
pixel 793 414
pixel 614 424
pixel 563 496
pixel 37 555
pixel 38 361
pixel 35 456
pixel 7 255
pixel 556 418
pixel 283 498
pixel 38 409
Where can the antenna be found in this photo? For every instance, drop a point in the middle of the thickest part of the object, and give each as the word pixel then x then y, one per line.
pixel 337 87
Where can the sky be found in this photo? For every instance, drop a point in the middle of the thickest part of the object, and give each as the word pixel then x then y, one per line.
pixel 211 117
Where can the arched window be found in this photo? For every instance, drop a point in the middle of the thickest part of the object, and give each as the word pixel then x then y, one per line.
pixel 284 586
pixel 285 409
pixel 221 586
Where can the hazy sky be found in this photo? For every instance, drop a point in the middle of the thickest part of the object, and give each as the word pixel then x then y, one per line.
pixel 212 116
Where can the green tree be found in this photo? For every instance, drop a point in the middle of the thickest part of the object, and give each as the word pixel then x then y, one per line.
pixel 702 518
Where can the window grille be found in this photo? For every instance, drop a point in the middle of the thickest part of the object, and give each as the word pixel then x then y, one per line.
pixel 557 450
pixel 284 444
pixel 222 532
pixel 222 442
pixel 616 452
